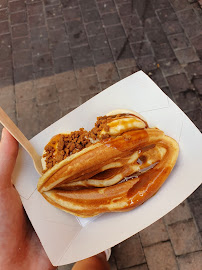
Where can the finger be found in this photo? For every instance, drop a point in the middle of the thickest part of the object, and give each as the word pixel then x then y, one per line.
pixel 8 155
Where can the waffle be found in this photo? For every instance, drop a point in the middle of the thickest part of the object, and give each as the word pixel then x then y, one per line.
pixel 114 174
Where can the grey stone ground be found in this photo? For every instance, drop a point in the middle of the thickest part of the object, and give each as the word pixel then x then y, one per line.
pixel 56 54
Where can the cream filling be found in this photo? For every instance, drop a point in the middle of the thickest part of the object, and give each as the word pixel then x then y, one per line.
pixel 119 126
pixel 43 161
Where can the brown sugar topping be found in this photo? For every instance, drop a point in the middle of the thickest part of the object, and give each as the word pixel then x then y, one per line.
pixel 67 144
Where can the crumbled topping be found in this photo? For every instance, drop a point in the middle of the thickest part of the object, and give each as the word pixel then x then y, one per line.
pixel 67 144
pixel 100 125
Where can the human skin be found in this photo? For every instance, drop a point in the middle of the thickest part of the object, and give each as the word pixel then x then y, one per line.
pixel 20 246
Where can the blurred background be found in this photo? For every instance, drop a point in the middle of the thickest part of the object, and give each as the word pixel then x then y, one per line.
pixel 57 54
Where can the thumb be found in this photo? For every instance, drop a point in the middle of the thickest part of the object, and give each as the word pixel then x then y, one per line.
pixel 8 155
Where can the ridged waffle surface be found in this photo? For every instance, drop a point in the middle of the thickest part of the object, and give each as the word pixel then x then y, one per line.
pixel 115 174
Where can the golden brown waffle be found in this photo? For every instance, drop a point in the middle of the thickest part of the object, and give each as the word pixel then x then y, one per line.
pixel 115 174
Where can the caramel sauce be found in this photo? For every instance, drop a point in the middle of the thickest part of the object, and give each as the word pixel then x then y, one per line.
pixel 122 122
pixel 107 174
pixel 124 115
pixel 137 174
pixel 148 181
pixel 54 140
pixel 141 160
pixel 147 147
pixel 128 140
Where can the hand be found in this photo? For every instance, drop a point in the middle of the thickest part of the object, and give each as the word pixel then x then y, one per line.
pixel 19 245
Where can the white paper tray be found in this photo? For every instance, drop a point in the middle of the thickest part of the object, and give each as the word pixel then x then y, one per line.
pixel 67 239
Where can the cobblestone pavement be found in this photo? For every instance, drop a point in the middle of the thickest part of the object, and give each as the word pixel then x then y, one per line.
pixel 56 54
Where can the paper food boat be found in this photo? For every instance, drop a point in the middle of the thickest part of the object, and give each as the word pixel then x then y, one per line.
pixel 66 238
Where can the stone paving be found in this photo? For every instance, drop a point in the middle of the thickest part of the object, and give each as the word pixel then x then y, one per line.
pixel 57 54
